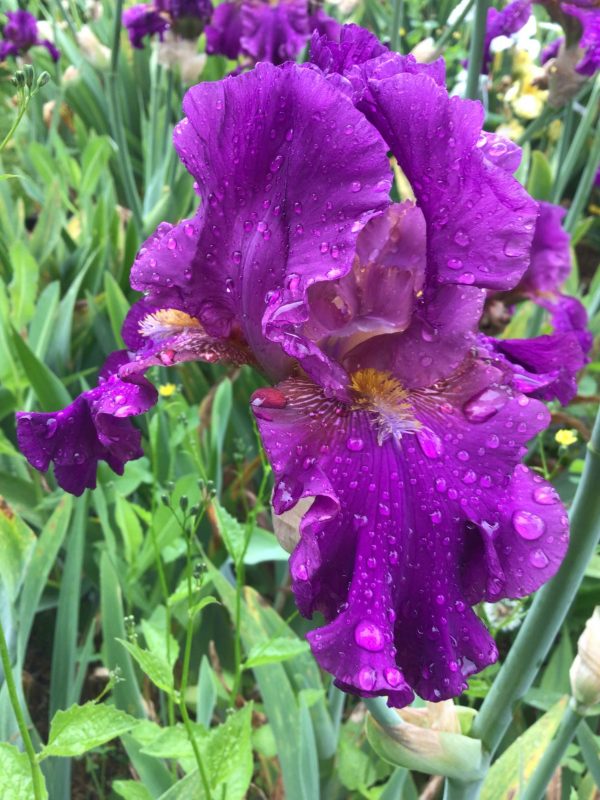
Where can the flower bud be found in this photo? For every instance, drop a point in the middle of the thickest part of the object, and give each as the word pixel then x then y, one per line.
pixel 43 79
pixel 19 78
pixel 29 73
pixel 424 51
pixel 585 670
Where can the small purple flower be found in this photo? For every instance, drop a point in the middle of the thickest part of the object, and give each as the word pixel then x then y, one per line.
pixel 390 416
pixel 260 30
pixel 504 23
pixel 20 34
pixel 186 18
pixel 590 38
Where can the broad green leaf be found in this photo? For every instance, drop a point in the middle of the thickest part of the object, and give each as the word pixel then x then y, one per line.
pixel 49 225
pixel 49 390
pixel 126 693
pixel 264 546
pixel 516 765
pixel 270 652
pixel 156 636
pixel 174 742
pixel 152 665
pixel 116 305
pixel 42 324
pixel 17 542
pixel 81 728
pixel 539 183
pixel 130 528
pixel 42 560
pixel 131 790
pixel 94 163
pixel 206 693
pixel 219 420
pixel 232 532
pixel 15 775
pixel 23 287
pixel 296 753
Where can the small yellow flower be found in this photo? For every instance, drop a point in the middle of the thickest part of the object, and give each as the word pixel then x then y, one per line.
pixel 167 389
pixel 566 437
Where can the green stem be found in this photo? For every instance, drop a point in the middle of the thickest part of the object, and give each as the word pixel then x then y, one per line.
pixel 585 184
pixel 16 123
pixel 563 145
pixel 185 673
pixel 548 610
pixel 589 751
pixel 380 711
pixel 116 121
pixel 447 35
pixel 456 790
pixel 36 773
pixel 565 169
pixel 476 49
pixel 549 762
pixel 397 19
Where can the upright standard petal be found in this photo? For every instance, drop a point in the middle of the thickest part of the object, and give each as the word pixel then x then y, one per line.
pixel 480 220
pixel 224 33
pixel 94 427
pixel 550 263
pixel 505 22
pixel 420 510
pixel 274 32
pixel 141 21
pixel 289 173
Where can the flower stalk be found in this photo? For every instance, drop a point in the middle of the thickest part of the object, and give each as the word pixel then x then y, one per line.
pixel 476 49
pixel 36 773
pixel 544 619
pixel 397 19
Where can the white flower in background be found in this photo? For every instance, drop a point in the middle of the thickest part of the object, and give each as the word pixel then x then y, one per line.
pixel 523 39
pixel 181 54
pixel 92 48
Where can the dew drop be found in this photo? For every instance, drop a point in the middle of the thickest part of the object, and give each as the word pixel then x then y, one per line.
pixel 545 495
pixel 366 678
pixel 354 444
pixel 484 405
pixel 461 239
pixel 529 526
pixel 430 443
pixel 392 676
pixel 369 636
pixel 454 263
pixel 300 572
pixel 356 186
pixel 539 559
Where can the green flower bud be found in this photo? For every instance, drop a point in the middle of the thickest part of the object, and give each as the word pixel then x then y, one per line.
pixel 29 73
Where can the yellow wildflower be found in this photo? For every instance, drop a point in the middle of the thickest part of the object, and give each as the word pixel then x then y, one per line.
pixel 167 389
pixel 566 437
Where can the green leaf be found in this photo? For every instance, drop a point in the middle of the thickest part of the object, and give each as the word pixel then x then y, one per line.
pixel 130 527
pixel 42 560
pixel 49 390
pixel 116 305
pixel 219 420
pixel 131 790
pixel 15 775
pixel 23 287
pixel 155 634
pixel 81 728
pixel 42 324
pixel 17 542
pixel 94 162
pixel 279 649
pixel 516 765
pixel 152 665
pixel 264 546
pixel 539 183
pixel 232 532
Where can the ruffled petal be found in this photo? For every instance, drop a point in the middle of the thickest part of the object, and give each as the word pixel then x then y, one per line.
pixel 480 220
pixel 399 498
pixel 224 33
pixel 141 21
pixel 550 252
pixel 274 32
pixel 289 173
pixel 94 427
pixel 504 23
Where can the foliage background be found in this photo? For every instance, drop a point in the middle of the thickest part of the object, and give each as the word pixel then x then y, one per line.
pixel 176 585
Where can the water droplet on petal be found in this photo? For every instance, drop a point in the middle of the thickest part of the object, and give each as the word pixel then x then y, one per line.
pixel 545 495
pixel 430 443
pixel 300 572
pixel 461 238
pixel 369 636
pixel 356 186
pixel 484 405
pixel 539 559
pixel 355 444
pixel 393 676
pixel 529 526
pixel 366 678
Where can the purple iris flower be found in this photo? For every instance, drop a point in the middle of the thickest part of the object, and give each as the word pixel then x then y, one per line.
pixel 590 39
pixel 185 17
pixel 504 23
pixel 546 366
pixel 551 50
pixel 260 30
pixel 20 34
pixel 386 415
